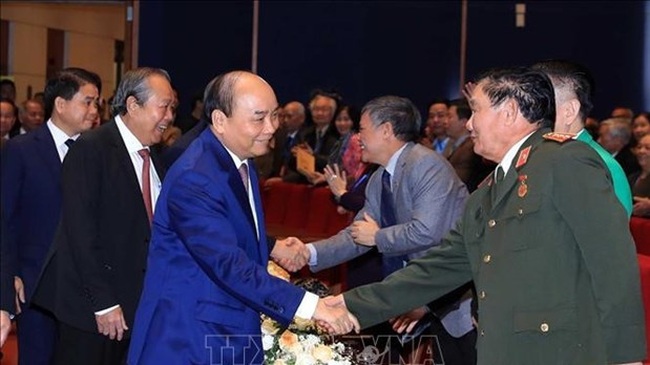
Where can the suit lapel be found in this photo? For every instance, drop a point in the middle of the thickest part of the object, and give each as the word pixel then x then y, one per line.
pixel 123 159
pixel 399 169
pixel 47 150
pixel 234 179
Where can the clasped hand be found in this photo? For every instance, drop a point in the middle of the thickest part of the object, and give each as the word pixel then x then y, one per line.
pixel 290 253
pixel 332 315
pixel 364 230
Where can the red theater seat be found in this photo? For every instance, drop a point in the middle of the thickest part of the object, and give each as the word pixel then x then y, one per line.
pixel 640 229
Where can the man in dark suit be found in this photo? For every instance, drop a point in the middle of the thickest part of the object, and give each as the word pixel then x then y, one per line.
pixel 289 135
pixel 31 197
pixel 545 240
pixel 207 279
pixel 93 276
pixel 460 149
pixel 615 135
pixel 318 139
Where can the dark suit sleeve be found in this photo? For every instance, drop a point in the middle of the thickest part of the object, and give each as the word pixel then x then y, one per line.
pixel 443 269
pixel 10 183
pixel 606 247
pixel 8 260
pixel 81 187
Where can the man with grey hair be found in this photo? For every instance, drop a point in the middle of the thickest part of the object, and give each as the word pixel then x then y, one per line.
pixel 573 87
pixel 614 136
pixel 289 135
pixel 544 240
pixel 94 273
pixel 412 201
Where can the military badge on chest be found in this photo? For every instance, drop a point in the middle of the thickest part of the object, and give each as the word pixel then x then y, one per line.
pixel 521 161
pixel 523 187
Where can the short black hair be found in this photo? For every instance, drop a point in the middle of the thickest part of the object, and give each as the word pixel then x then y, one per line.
pixel 66 84
pixel 462 108
pixel 574 76
pixel 531 89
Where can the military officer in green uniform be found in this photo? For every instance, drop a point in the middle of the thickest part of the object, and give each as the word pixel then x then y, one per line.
pixel 547 244
pixel 574 89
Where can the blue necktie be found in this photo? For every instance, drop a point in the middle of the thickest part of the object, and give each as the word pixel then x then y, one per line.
pixel 286 154
pixel 390 264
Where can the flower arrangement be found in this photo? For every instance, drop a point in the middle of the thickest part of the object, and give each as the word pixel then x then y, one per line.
pixel 303 342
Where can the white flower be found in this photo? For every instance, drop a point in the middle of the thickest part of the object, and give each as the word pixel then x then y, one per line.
pixel 322 353
pixel 269 326
pixel 267 342
pixel 305 359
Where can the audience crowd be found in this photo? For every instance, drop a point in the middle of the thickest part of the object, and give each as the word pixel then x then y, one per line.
pixel 81 178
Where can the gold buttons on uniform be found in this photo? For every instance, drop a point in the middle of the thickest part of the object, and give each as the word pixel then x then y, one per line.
pixel 544 327
pixel 492 223
pixel 481 295
pixel 487 258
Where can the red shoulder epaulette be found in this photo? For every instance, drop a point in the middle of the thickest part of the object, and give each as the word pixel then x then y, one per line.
pixel 558 137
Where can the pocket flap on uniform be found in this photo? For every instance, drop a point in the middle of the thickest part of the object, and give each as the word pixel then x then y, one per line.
pixel 545 321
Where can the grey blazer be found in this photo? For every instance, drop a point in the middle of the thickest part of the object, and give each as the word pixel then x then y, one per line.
pixel 429 198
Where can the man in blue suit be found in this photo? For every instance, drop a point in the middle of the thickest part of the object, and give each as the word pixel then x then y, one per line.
pixel 31 197
pixel 206 282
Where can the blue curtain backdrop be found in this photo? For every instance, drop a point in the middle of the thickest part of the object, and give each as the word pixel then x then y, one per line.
pixel 408 48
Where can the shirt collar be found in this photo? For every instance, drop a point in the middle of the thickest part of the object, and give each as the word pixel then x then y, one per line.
pixel 392 162
pixel 60 137
pixel 238 162
pixel 510 155
pixel 579 133
pixel 130 140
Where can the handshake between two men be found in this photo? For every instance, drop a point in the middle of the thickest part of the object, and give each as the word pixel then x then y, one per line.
pixel 331 313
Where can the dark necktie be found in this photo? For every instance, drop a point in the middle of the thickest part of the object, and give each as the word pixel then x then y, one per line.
pixel 319 141
pixel 390 263
pixel 499 175
pixel 243 172
pixel 286 154
pixel 69 142
pixel 146 182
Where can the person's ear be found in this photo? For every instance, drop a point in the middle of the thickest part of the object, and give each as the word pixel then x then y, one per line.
pixel 570 111
pixel 510 110
pixel 218 120
pixel 59 104
pixel 387 129
pixel 131 104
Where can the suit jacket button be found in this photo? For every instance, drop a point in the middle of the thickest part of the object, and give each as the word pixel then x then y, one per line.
pixel 482 333
pixel 544 327
pixel 108 267
pixel 492 223
pixel 487 258
pixel 481 294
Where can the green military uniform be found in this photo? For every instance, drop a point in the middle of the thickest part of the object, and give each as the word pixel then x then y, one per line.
pixel 552 259
pixel 621 185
